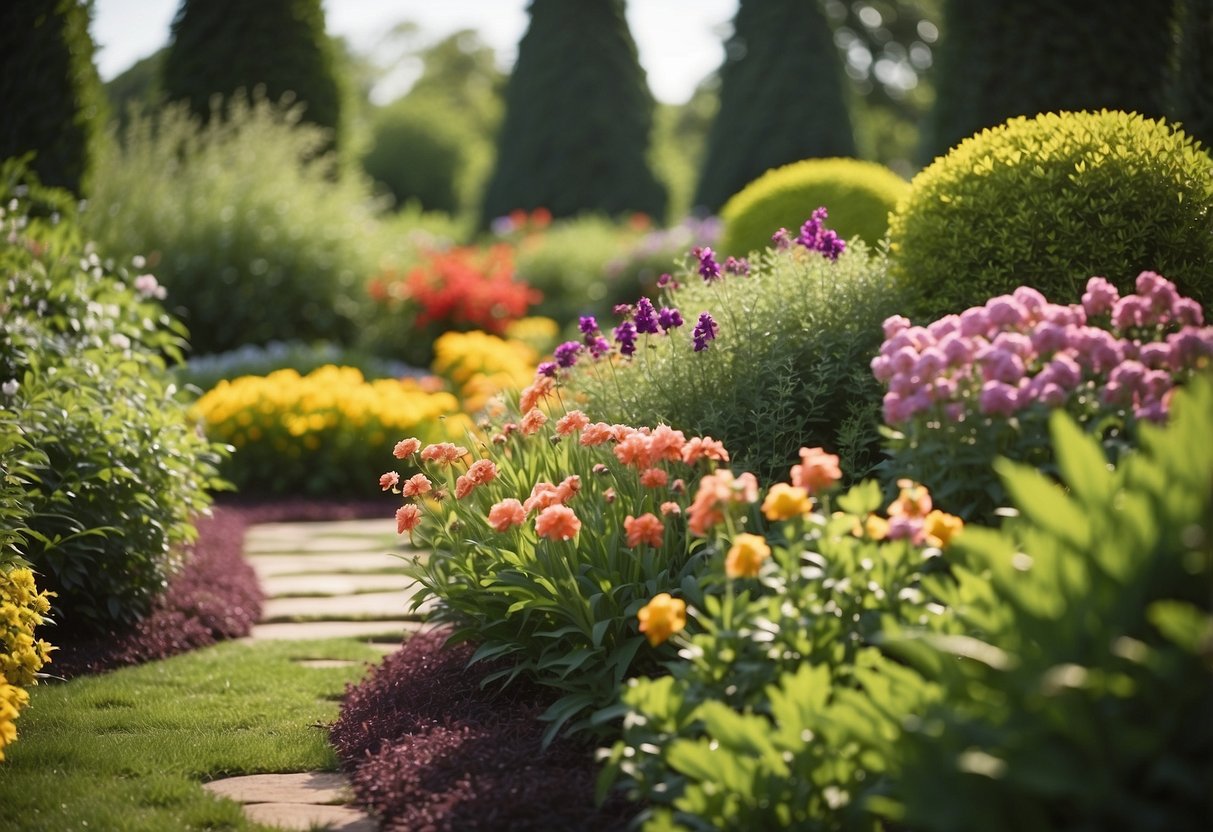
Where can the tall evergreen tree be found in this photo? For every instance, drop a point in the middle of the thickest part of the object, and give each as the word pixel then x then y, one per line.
pixel 578 117
pixel 50 93
pixel 1193 103
pixel 781 98
pixel 998 60
pixel 220 46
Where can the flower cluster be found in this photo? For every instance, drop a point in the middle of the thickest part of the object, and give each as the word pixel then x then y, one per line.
pixel 519 221
pixel 1020 351
pixel 816 237
pixel 479 366
pixel 22 608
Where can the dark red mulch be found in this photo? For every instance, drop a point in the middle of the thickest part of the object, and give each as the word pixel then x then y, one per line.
pixel 214 597
pixel 428 749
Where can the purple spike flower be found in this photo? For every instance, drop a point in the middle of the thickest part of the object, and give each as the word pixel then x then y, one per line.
pixel 587 324
pixel 646 316
pixel 736 265
pixel 709 269
pixel 598 345
pixel 782 239
pixel 566 354
pixel 816 237
pixel 705 330
pixel 625 336
pixel 547 368
pixel 669 318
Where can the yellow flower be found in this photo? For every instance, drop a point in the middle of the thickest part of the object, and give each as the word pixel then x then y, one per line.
pixel 876 527
pixel 745 558
pixel 662 617
pixel 941 528
pixel 785 501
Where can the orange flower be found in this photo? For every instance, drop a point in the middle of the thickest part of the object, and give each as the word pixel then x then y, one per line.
pixel 538 390
pixel 633 449
pixel 568 487
pixel 666 443
pixel 482 471
pixel 389 480
pixel 408 517
pixel 571 422
pixel 464 486
pixel 654 478
pixel 785 501
pixel 817 470
pixel 543 494
pixel 507 513
pixel 444 453
pixel 913 501
pixel 703 447
pixel 715 490
pixel 669 508
pixel 663 616
pixel 941 528
pixel 415 485
pixel 746 555
pixel 557 523
pixel 597 434
pixel 406 447
pixel 533 421
pixel 645 529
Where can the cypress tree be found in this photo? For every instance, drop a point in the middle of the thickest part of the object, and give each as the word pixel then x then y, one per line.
pixel 50 92
pixel 578 117
pixel 220 46
pixel 781 98
pixel 998 60
pixel 1193 103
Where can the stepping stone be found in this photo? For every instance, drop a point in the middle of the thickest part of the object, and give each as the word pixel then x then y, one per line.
pixel 375 528
pixel 304 817
pixel 299 564
pixel 303 787
pixel 368 605
pixel 333 584
pixel 325 663
pixel 315 630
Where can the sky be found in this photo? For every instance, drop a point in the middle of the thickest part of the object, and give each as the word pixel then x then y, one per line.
pixel 679 41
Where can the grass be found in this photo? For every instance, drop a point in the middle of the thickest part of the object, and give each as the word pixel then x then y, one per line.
pixel 129 750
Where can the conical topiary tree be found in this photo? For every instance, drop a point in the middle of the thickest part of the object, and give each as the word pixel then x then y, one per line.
pixel 1193 101
pixel 578 117
pixel 50 93
pixel 220 46
pixel 998 60
pixel 781 98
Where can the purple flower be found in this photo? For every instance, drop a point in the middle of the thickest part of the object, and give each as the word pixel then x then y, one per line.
pixel 709 269
pixel 1099 298
pixel 625 336
pixel 598 345
pixel 566 354
pixel 623 310
pixel 646 316
pixel 816 237
pixel 587 324
pixel 782 239
pixel 735 265
pixel 669 318
pixel 1006 312
pixel 705 330
pixel 999 399
pixel 547 368
pixel 666 279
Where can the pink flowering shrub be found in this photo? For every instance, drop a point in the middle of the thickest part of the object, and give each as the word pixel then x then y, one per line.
pixel 981 384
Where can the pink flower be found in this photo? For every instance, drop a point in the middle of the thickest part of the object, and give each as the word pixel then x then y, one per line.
pixel 464 485
pixel 539 390
pixel 1156 355
pixel 882 368
pixel 505 514
pixel 1187 312
pixel 894 325
pixel 1005 312
pixel 1001 365
pixel 1189 345
pixel 974 322
pixel 389 480
pixel 568 488
pixel 703 447
pixel 999 399
pixel 416 485
pixel 666 443
pixel 557 522
pixel 1048 338
pixel 654 478
pixel 533 421
pixel 543 494
pixel 896 409
pixel 444 453
pixel 816 471
pixel 930 363
pixel 408 517
pixel 597 434
pixel 571 422
pixel 1130 312
pixel 670 507
pixel 958 350
pixel 633 450
pixel 1099 298
pixel 482 471
pixel 645 530
pixel 406 447
pixel 1032 301
pixel 904 360
pixel 945 326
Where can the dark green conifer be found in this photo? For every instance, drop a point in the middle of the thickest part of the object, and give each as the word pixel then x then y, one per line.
pixel 781 98
pixel 50 94
pixel 578 116
pixel 1193 102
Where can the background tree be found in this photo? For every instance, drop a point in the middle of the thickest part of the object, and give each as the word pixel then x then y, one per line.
pixel 998 60
pixel 50 92
pixel 220 46
pixel 1193 99
pixel 578 118
pixel 781 98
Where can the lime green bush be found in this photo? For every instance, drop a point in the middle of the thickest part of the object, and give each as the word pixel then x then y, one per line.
pixel 858 195
pixel 1050 201
pixel 254 235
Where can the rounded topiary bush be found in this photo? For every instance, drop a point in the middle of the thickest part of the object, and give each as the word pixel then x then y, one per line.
pixel 859 196
pixel 1050 201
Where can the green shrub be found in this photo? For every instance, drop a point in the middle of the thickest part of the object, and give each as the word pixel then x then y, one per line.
pixel 1049 202
pixel 417 153
pixel 251 233
pixel 858 195
pixel 114 472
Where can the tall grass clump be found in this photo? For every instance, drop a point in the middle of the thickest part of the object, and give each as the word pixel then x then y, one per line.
pixel 248 224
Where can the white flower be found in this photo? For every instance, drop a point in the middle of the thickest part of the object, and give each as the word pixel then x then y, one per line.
pixel 120 341
pixel 10 387
pixel 148 286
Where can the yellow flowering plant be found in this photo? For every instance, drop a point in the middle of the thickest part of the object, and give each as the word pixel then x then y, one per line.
pixel 22 608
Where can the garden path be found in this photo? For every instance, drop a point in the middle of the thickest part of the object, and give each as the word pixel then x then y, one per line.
pixel 322 580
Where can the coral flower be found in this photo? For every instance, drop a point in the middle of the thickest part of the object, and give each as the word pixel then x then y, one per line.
pixel 389 480
pixel 666 443
pixel 533 421
pixel 670 507
pixel 746 556
pixel 571 422
pixel 663 616
pixel 941 528
pixel 482 471
pixel 415 485
pixel 443 453
pixel 645 529
pixel 703 447
pixel 785 501
pixel 464 486
pixel 654 478
pixel 568 487
pixel 633 449
pixel 407 518
pixel 507 513
pixel 817 470
pixel 538 390
pixel 597 434
pixel 557 522
pixel 406 447
pixel 543 494
pixel 913 501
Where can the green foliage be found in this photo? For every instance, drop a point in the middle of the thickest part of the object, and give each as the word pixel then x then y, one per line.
pixel 781 98
pixel 1193 90
pixel 999 60
pixel 789 367
pixel 251 232
pixel 417 153
pixel 1084 701
pixel 279 46
pixel 577 120
pixel 111 470
pixel 50 90
pixel 1049 202
pixel 858 195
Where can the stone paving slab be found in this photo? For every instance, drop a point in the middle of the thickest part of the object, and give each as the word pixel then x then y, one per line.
pixel 279 586
pixel 366 606
pixel 306 787
pixel 268 566
pixel 393 631
pixel 304 817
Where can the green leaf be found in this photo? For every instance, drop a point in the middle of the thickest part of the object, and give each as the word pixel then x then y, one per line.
pixel 1183 624
pixel 1044 503
pixel 1080 460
